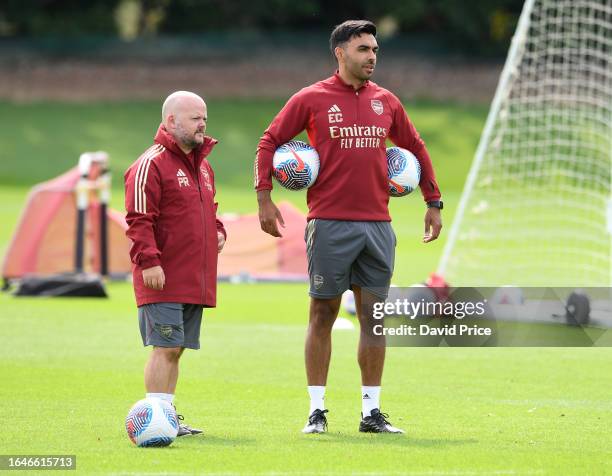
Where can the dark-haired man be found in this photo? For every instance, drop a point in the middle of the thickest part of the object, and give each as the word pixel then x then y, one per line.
pixel 350 242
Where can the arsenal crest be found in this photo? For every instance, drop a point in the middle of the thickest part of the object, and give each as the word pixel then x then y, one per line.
pixel 206 176
pixel 377 106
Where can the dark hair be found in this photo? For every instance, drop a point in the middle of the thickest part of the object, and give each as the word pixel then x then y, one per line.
pixel 347 30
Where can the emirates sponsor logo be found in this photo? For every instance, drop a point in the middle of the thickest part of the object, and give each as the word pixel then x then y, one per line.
pixel 358 136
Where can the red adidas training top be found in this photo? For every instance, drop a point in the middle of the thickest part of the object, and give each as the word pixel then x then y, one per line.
pixel 348 128
pixel 171 217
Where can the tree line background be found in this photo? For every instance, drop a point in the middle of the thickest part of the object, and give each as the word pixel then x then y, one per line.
pixel 470 26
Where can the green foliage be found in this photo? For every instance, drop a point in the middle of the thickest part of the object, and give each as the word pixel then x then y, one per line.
pixel 57 17
pixel 471 26
pixel 476 25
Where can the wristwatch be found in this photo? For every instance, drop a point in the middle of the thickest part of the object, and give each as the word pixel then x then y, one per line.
pixel 436 204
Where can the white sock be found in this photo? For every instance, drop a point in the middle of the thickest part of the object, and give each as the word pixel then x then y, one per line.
pixel 169 397
pixel 317 395
pixel 370 399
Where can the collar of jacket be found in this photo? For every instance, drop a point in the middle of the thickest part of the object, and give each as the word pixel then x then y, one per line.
pixel 166 139
pixel 337 80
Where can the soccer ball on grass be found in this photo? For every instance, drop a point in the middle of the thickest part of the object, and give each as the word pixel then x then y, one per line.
pixel 152 422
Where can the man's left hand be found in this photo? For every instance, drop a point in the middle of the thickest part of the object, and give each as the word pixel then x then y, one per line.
pixel 433 224
pixel 220 241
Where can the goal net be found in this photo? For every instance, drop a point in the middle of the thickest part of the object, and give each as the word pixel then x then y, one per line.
pixel 536 208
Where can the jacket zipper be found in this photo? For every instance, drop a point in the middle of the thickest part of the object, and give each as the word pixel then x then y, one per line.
pixel 193 167
pixel 203 218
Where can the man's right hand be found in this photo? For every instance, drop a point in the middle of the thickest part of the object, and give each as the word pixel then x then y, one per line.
pixel 269 214
pixel 154 278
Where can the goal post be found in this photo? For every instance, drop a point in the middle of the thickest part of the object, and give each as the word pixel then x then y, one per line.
pixel 536 208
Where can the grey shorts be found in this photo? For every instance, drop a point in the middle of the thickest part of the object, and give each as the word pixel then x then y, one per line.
pixel 170 324
pixel 345 253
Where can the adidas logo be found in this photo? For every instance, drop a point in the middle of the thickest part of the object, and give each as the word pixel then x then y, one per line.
pixel 181 176
pixel 334 114
pixel 366 397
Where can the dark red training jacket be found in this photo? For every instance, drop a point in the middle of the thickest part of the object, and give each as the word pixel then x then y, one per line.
pixel 349 129
pixel 171 217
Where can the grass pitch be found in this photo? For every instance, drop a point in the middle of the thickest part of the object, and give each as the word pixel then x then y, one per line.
pixel 71 368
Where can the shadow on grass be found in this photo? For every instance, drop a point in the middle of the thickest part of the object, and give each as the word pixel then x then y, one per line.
pixel 390 440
